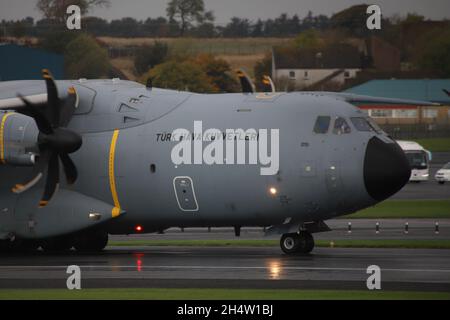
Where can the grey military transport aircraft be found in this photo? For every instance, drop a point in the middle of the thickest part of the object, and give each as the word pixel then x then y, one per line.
pixel 136 159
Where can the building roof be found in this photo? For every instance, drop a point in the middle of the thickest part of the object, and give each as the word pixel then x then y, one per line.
pixel 425 90
pixel 25 63
pixel 339 56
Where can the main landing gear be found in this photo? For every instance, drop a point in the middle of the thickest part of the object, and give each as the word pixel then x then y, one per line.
pixel 297 243
pixel 85 242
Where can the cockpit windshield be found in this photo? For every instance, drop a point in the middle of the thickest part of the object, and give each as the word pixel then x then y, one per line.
pixel 341 126
pixel 374 125
pixel 361 124
pixel 417 159
pixel 322 124
pixel 366 124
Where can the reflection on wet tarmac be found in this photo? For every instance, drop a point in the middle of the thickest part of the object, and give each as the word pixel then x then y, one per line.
pixel 275 269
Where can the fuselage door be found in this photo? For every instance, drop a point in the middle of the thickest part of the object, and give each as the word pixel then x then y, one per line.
pixel 185 193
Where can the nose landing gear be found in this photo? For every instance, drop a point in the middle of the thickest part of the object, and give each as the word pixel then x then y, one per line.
pixel 297 243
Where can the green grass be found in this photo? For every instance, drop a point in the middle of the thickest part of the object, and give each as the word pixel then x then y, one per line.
pixel 435 145
pixel 222 46
pixel 217 294
pixel 419 209
pixel 407 244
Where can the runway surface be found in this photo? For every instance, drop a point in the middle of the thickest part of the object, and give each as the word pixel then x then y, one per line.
pixel 419 229
pixel 425 190
pixel 196 267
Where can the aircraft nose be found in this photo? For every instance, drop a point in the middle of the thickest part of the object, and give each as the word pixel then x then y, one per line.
pixel 386 169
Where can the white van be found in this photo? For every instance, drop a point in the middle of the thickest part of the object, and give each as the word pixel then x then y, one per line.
pixel 418 160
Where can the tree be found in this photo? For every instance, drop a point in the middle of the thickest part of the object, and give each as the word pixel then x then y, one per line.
pixel 436 56
pixel 84 58
pixel 57 41
pixel 56 9
pixel 19 29
pixel 186 75
pixel 218 73
pixel 413 18
pixel 309 39
pixel 237 27
pixel 353 20
pixel 185 12
pixel 149 56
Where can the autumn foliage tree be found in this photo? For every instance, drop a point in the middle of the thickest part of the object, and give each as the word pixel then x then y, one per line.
pixel 56 9
pixel 203 74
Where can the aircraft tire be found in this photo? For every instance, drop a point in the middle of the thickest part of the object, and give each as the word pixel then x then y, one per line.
pixel 297 243
pixel 93 241
pixel 306 243
pixel 289 243
pixel 57 244
pixel 25 246
pixel 18 246
pixel 5 246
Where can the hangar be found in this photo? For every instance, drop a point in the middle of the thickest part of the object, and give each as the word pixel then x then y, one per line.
pixel 21 62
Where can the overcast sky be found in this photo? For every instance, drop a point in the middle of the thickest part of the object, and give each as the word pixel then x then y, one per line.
pixel 252 9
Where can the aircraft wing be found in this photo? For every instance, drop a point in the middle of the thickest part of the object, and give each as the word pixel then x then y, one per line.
pixel 33 90
pixel 358 100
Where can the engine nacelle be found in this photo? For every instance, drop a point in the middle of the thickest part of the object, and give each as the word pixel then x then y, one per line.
pixel 18 139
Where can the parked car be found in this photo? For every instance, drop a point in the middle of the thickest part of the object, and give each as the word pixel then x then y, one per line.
pixel 443 175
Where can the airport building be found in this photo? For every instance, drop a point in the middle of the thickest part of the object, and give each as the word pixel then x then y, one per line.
pixel 21 62
pixel 423 90
pixel 305 68
pixel 409 121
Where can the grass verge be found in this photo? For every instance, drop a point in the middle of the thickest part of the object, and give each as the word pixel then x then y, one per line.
pixel 406 244
pixel 436 144
pixel 217 294
pixel 399 209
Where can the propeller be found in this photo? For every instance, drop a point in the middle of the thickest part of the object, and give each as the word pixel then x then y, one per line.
pixel 246 83
pixel 55 141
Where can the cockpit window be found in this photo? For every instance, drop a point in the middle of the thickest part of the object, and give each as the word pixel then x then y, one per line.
pixel 374 125
pixel 366 124
pixel 361 124
pixel 322 124
pixel 341 126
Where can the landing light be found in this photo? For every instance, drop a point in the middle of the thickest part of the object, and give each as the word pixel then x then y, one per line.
pixel 273 191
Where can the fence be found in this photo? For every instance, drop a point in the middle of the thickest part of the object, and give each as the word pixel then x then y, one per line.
pixel 417 131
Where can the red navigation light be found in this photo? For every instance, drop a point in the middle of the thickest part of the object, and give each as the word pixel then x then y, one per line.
pixel 138 228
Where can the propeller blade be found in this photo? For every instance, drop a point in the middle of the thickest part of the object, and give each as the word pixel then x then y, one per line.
pixel 41 121
pixel 246 83
pixel 68 107
pixel 55 141
pixel 53 99
pixel 19 188
pixel 52 182
pixel 69 168
pixel 38 173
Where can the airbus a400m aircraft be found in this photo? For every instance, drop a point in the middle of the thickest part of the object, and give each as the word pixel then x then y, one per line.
pixel 87 158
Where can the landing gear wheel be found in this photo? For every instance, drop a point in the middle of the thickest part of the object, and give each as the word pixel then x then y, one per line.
pixel 441 182
pixel 57 244
pixel 93 241
pixel 289 243
pixel 18 246
pixel 25 246
pixel 5 246
pixel 297 243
